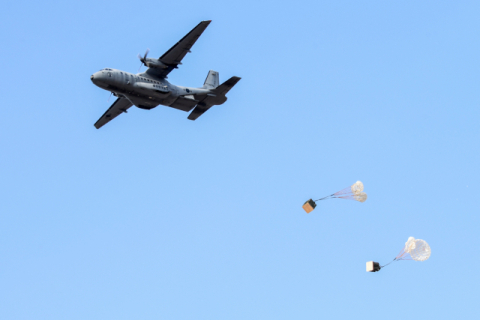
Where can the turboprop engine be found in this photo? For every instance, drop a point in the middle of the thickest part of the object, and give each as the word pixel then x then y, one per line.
pixel 154 63
pixel 151 63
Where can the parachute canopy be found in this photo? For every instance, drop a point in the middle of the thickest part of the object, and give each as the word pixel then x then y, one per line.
pixel 357 187
pixel 362 197
pixel 415 249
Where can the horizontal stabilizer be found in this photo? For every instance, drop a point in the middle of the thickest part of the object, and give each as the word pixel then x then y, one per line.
pixel 198 111
pixel 226 86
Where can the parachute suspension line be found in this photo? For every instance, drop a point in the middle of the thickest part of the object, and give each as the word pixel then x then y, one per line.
pixel 403 255
pixel 396 259
pixel 360 197
pixel 388 263
pixel 354 192
pixel 324 198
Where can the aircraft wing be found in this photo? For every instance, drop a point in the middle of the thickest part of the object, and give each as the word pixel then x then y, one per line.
pixel 174 56
pixel 119 106
pixel 184 104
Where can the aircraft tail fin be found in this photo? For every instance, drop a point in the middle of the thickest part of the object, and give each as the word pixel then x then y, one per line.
pixel 212 80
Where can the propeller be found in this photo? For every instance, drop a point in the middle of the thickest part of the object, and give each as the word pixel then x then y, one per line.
pixel 143 59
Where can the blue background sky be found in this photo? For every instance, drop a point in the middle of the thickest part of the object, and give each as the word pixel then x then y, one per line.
pixel 158 217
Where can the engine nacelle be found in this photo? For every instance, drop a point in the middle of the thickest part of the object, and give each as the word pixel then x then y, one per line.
pixel 155 63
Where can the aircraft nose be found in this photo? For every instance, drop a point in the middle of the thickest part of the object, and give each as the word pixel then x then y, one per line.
pixel 96 77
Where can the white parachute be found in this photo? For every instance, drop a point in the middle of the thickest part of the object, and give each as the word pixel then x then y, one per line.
pixel 357 187
pixel 415 249
pixel 361 197
pixel 354 192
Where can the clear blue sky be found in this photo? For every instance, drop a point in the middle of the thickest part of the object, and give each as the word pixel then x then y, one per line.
pixel 158 217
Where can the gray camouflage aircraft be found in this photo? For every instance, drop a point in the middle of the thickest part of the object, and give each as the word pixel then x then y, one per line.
pixel 149 89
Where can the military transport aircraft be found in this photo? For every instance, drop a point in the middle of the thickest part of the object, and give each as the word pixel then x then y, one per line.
pixel 149 89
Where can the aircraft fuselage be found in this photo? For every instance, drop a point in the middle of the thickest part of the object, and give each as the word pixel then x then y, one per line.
pixel 145 91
